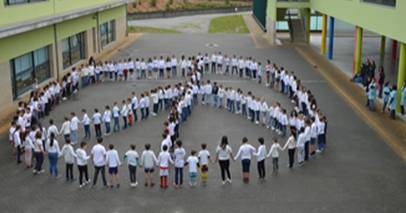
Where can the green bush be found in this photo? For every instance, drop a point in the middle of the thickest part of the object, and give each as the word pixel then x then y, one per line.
pixel 152 3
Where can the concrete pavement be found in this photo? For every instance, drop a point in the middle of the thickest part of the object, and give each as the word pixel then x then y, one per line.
pixel 357 173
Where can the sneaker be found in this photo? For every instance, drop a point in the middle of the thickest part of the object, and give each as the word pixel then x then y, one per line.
pixel 229 181
pixel 256 122
pixel 135 184
pixel 42 171
pixel 81 186
pixel 224 182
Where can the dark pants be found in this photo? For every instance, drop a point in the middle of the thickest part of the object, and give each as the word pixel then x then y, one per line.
pixel 69 171
pixel 261 168
pixel 275 164
pixel 101 170
pixel 133 172
pixel 225 168
pixel 18 150
pixel 306 150
pixel 83 172
pixel 291 153
pixel 39 160
pixel 97 129
pixel 178 176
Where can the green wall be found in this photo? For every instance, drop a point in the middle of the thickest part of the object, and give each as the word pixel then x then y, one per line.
pixel 20 44
pixel 112 14
pixel 74 26
pixel 384 20
pixel 22 12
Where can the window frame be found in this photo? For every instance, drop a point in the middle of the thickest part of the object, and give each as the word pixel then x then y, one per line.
pixel 11 3
pixel 33 70
pixel 107 33
pixel 81 37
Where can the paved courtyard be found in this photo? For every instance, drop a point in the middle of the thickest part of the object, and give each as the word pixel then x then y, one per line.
pixel 357 173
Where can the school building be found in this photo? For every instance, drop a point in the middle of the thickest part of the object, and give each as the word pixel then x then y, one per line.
pixel 41 40
pixel 383 17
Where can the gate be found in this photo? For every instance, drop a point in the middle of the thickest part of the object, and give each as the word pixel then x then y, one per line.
pixel 259 12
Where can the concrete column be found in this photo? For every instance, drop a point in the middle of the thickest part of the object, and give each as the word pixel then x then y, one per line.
pixel 356 68
pixel 271 31
pixel 323 35
pixel 382 51
pixel 331 38
pixel 401 72
pixel 308 15
pixel 394 50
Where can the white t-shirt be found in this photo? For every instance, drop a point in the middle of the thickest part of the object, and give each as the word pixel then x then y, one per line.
pixel 192 161
pixel 99 154
pixel 112 158
pixel 179 157
pixel 245 151
pixel 224 154
pixel 204 156
pixel 132 157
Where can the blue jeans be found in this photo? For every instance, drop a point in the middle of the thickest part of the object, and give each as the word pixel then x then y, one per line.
pixel 53 162
pixel 215 100
pixel 178 176
pixel 116 127
pixel 232 106
pixel 108 128
pixel 87 131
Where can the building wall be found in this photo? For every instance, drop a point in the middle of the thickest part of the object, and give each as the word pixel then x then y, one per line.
pixel 384 20
pixel 20 44
pixel 21 12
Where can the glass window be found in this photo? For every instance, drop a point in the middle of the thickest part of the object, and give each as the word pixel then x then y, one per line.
pixel 391 3
pixel 73 49
pixel 27 68
pixel 107 33
pixel 13 2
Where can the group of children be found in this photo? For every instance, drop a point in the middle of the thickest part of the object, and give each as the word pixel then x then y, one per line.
pixel 389 97
pixel 307 124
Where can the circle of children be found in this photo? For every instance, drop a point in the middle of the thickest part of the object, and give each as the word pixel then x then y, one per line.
pixel 31 139
pixel 376 87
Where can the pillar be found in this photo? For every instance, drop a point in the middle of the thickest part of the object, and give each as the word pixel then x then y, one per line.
pixel 323 35
pixel 382 51
pixel 356 67
pixel 394 50
pixel 331 38
pixel 401 72
pixel 308 16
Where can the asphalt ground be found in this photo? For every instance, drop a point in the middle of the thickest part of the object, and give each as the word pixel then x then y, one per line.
pixel 357 173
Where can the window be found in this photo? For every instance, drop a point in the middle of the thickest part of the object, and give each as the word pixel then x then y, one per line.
pixel 391 3
pixel 28 68
pixel 14 2
pixel 107 33
pixel 73 49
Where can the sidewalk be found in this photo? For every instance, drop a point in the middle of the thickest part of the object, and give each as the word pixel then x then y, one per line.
pixel 392 131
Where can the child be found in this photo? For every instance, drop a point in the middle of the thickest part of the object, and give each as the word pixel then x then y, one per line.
pixel 193 163
pixel 113 162
pixel 164 159
pixel 69 156
pixel 74 125
pixel 179 163
pixel 148 160
pixel 53 152
pixel 132 160
pixel 28 147
pixel 107 120
pixel 38 153
pixel 245 152
pixel 97 119
pixel 204 157
pixel 124 113
pixel 301 146
pixel 116 117
pixel 261 155
pixel 274 153
pixel 81 160
pixel 86 124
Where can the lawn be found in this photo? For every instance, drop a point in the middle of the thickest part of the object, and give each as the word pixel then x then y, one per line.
pixel 142 29
pixel 228 24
